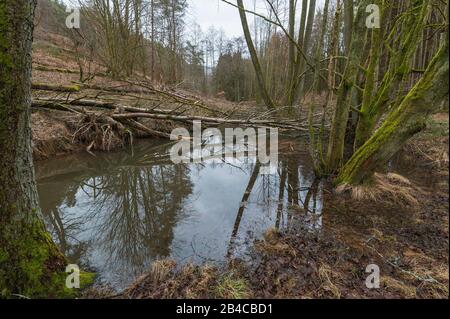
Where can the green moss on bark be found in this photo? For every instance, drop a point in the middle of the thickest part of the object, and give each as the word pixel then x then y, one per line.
pixel 403 123
pixel 32 265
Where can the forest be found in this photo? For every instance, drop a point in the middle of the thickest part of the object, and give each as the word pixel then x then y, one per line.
pixel 349 98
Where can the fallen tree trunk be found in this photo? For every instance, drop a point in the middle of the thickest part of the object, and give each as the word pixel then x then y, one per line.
pixel 176 97
pixel 184 118
pixel 145 89
pixel 129 112
pixel 54 69
pixel 56 88
pixel 139 126
pixel 96 104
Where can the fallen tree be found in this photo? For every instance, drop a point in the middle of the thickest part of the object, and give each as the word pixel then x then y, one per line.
pixel 130 87
pixel 55 88
pixel 123 112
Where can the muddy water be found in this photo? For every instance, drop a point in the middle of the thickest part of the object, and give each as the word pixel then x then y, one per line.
pixel 116 213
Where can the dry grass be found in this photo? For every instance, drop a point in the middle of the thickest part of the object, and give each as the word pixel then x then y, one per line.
pixel 399 287
pixel 327 275
pixel 389 187
pixel 231 287
pixel 164 280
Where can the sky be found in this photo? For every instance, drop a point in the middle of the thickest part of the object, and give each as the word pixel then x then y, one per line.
pixel 221 15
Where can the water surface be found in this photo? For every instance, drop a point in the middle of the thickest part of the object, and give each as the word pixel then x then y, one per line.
pixel 118 212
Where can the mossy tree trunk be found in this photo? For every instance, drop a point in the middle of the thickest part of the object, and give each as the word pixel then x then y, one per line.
pixel 30 263
pixel 336 144
pixel 403 123
pixel 375 105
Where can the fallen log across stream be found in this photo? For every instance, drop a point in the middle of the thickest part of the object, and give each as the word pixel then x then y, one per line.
pixel 124 112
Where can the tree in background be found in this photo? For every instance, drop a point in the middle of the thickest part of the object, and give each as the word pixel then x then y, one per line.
pixel 375 73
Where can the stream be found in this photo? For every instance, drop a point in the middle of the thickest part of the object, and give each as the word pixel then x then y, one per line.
pixel 115 213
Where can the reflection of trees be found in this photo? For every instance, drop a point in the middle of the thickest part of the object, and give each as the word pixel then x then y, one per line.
pixel 301 189
pixel 139 208
pixel 137 200
pixel 283 178
pixel 245 197
pixel 293 180
pixel 134 202
pixel 64 228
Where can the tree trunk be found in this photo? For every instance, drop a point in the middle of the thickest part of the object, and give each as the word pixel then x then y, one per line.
pixel 291 58
pixel 336 143
pixel 292 83
pixel 316 149
pixel 403 123
pixel 348 24
pixel 390 88
pixel 152 4
pixel 30 263
pixel 257 66
pixel 369 88
pixel 299 84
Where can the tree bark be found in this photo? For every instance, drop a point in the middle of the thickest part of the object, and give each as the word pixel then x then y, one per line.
pixel 336 142
pixel 257 66
pixel 292 57
pixel 348 24
pixel 299 84
pixel 29 261
pixel 390 88
pixel 403 123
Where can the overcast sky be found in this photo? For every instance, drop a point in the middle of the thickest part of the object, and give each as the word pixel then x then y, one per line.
pixel 219 14
pixel 222 15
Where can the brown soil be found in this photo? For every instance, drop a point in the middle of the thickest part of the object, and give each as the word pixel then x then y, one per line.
pixel 51 136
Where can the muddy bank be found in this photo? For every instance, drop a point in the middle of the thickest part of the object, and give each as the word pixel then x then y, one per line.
pixel 56 133
pixel 407 239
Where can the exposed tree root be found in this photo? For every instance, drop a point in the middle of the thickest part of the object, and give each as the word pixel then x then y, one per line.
pixel 99 131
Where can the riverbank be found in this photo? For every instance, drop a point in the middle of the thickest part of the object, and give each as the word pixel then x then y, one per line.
pixel 58 133
pixel 406 237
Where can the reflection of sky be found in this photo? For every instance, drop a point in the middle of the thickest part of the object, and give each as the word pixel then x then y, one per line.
pixel 201 232
pixel 220 191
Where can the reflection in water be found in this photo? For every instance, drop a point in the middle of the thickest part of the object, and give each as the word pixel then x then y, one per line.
pixel 118 212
